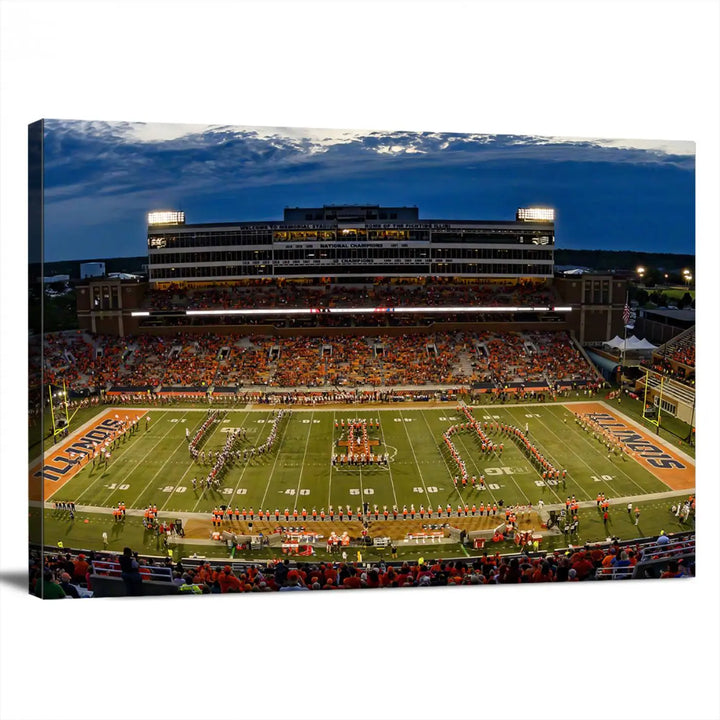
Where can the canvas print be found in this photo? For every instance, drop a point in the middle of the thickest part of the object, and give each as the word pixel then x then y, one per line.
pixel 290 359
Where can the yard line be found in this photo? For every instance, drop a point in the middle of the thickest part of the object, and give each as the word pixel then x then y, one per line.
pixel 546 454
pixel 417 464
pixel 615 466
pixel 362 495
pixel 202 494
pixel 124 478
pixel 532 468
pixel 245 466
pixel 442 455
pixel 277 455
pixel 382 437
pixel 139 464
pixel 302 464
pixel 152 479
pixel 192 463
pixel 517 485
pixel 477 468
pixel 332 451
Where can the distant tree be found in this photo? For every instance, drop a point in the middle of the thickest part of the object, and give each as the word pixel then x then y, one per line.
pixel 655 297
pixel 686 300
pixel 641 295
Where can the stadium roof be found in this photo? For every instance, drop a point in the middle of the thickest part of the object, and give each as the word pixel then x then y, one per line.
pixel 673 314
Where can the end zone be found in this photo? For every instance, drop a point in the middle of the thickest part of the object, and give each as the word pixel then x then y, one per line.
pixel 63 461
pixel 670 466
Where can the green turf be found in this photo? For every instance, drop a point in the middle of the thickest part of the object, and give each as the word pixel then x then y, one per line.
pixel 154 466
pixel 77 533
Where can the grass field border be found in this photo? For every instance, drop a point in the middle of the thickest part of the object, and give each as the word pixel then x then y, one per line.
pixel 429 427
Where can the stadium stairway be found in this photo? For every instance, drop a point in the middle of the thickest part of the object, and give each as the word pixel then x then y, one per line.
pixel 677 340
pixel 464 366
pixel 581 350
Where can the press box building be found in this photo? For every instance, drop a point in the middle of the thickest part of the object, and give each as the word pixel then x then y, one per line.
pixel 350 241
pixel 352 244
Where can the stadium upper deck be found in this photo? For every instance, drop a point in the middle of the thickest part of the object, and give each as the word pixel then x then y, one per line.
pixel 350 241
pixel 349 268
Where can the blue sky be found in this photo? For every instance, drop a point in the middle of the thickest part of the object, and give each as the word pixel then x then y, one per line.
pixel 101 178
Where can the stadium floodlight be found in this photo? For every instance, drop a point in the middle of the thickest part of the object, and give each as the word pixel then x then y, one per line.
pixel 268 311
pixel 640 270
pixel 534 214
pixel 166 217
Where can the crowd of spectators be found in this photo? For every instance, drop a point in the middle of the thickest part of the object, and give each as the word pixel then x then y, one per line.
pixel 269 361
pixel 683 350
pixel 279 293
pixel 677 359
pixel 578 564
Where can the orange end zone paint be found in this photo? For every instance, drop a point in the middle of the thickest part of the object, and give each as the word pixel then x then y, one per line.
pixel 674 470
pixel 58 465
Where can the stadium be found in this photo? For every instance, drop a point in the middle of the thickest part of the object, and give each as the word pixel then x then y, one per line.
pixel 354 396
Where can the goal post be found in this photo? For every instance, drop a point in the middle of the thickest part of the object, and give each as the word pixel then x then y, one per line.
pixel 653 420
pixel 59 411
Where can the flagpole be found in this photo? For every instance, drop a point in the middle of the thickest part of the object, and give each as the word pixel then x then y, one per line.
pixel 625 322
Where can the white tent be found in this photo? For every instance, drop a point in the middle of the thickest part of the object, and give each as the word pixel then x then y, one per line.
pixel 632 343
pixel 616 342
pixel 639 344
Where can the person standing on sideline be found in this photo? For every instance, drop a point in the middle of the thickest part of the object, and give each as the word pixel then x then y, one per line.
pixel 629 509
pixel 105 540
pixel 637 515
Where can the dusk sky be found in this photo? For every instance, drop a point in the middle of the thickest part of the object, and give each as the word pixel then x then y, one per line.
pixel 101 179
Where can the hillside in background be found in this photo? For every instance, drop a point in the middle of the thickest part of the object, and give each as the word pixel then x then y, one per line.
pixel 603 260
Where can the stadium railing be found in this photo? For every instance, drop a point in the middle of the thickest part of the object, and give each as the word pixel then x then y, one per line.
pixel 106 579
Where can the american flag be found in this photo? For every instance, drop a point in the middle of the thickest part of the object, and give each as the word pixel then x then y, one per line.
pixel 626 314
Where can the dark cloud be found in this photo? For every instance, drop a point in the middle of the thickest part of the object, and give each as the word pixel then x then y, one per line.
pixel 101 178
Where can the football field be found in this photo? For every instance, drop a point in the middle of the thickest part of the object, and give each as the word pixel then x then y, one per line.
pixel 153 465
